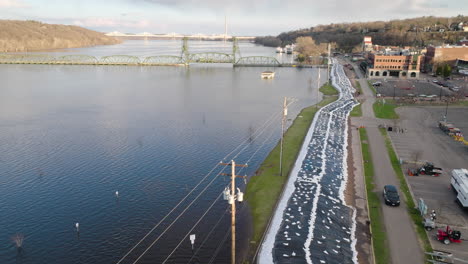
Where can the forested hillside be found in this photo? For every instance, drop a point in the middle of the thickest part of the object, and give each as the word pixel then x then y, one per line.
pixel 420 31
pixel 32 35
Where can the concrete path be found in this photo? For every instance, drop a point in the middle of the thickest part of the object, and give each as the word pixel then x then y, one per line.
pixel 402 239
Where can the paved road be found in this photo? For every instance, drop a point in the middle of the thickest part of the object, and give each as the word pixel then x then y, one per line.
pixel 402 239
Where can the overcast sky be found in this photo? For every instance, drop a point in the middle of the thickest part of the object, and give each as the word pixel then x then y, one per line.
pixel 245 17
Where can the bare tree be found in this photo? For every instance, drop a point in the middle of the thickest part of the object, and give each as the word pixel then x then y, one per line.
pixel 308 47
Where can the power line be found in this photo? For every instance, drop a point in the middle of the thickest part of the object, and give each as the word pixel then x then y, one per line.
pixel 259 131
pixel 193 227
pixel 208 236
pixel 213 258
pixel 188 233
pixel 258 149
pixel 219 246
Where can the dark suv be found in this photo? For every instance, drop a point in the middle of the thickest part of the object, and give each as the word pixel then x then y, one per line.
pixel 390 194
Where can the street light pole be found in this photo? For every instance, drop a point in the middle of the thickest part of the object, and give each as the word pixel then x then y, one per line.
pixel 394 86
pixel 440 96
pixel 446 109
pixel 283 119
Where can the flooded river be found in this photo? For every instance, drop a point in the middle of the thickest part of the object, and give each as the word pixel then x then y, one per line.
pixel 73 136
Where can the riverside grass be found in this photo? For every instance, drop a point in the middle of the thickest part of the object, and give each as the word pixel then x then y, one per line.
pixel 379 236
pixel 357 111
pixel 385 109
pixel 264 189
pixel 328 89
pixel 411 207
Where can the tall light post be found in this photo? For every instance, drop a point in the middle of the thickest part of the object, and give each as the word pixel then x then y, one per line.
pixel 283 120
pixel 440 96
pixel 446 110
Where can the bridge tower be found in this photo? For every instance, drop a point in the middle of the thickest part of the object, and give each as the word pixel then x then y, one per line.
pixel 235 50
pixel 185 53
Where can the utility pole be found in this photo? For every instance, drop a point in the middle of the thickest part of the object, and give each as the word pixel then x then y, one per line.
pixel 232 201
pixel 318 87
pixel 283 120
pixel 328 63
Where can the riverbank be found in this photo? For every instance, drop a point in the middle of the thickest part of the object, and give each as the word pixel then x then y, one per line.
pixel 264 189
pixel 22 36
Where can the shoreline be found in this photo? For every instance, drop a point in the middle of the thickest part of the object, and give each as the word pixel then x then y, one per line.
pixel 258 234
pixel 347 186
pixel 58 49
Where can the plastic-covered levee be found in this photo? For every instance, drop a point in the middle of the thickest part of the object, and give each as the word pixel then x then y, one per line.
pixel 312 223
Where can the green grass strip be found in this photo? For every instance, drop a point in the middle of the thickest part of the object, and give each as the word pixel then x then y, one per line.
pixel 372 87
pixel 385 109
pixel 379 236
pixel 263 189
pixel 412 210
pixel 357 111
pixel 328 89
pixel 358 86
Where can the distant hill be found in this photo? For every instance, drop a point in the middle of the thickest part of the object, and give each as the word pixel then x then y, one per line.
pixel 420 31
pixel 32 36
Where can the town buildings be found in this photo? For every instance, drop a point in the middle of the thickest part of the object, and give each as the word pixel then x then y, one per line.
pixel 444 55
pixel 402 65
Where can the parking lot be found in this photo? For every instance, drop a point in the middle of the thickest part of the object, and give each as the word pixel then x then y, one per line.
pixel 411 88
pixel 422 140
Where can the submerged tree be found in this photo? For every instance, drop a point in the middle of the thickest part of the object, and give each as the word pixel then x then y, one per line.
pixel 18 240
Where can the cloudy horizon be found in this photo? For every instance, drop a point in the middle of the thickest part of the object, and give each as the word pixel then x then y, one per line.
pixel 244 17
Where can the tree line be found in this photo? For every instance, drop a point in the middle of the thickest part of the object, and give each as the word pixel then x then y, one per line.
pixel 418 32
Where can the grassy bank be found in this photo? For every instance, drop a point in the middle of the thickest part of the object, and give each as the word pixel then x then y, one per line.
pixel 264 189
pixel 372 87
pixel 358 86
pixel 357 111
pixel 411 207
pixel 385 110
pixel 379 237
pixel 328 89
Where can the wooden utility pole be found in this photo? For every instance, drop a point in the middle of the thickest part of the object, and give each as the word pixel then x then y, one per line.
pixel 318 86
pixel 328 63
pixel 232 201
pixel 283 119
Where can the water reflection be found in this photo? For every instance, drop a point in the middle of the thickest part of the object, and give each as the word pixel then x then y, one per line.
pixel 73 135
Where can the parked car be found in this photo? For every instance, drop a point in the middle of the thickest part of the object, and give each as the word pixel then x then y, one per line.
pixel 377 84
pixel 435 81
pixel 391 196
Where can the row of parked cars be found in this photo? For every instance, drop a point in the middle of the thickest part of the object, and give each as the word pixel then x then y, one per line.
pixel 447 84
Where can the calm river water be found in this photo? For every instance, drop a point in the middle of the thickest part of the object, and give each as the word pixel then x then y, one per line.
pixel 71 136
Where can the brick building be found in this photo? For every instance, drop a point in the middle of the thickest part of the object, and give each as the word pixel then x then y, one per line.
pixel 442 55
pixel 402 66
pixel 367 44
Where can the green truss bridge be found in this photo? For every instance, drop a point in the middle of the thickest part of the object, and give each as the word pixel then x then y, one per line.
pixel 184 59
